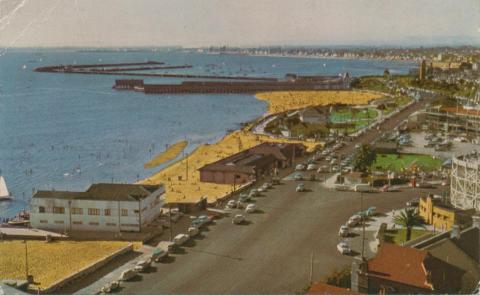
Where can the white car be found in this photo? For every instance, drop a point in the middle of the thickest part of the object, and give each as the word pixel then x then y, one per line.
pixel 300 167
pixel 251 208
pixel 193 231
pixel 343 231
pixel 311 167
pixel 238 219
pixel 231 204
pixel 180 239
pixel 142 265
pixel 254 193
pixel 354 220
pixel 343 248
pixel 128 274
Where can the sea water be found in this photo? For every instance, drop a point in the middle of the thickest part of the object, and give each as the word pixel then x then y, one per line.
pixel 66 131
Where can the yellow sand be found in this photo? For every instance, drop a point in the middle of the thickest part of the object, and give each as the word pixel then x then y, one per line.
pixel 171 153
pixel 50 262
pixel 291 100
pixel 179 189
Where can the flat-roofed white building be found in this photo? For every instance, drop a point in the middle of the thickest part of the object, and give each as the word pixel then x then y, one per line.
pixel 103 207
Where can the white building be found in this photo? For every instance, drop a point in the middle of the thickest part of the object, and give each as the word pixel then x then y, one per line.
pixel 103 207
pixel 465 181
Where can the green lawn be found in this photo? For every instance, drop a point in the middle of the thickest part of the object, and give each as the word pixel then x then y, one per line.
pixel 398 236
pixel 344 115
pixel 397 162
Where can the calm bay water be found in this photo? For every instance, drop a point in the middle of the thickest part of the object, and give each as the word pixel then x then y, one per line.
pixel 67 131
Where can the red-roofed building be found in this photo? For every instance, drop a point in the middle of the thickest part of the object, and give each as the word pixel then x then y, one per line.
pixel 397 269
pixel 251 164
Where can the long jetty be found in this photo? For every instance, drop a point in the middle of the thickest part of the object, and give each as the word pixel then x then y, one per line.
pixel 121 69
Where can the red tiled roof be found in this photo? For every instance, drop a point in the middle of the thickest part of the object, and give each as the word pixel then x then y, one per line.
pixel 400 264
pixel 322 288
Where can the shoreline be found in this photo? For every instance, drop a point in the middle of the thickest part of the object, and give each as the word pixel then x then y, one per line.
pixel 185 187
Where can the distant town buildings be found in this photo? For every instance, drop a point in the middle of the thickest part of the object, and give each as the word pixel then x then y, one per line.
pixel 103 207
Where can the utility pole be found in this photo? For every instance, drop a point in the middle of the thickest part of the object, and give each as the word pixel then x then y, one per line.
pixel 363 225
pixel 26 260
pixel 170 221
pixel 311 269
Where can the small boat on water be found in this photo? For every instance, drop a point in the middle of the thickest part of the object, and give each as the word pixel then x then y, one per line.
pixel 19 222
pixel 4 194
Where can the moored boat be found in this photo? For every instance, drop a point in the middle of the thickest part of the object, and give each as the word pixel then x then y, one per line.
pixel 4 194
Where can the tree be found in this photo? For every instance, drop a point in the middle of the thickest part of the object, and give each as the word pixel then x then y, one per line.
pixel 364 157
pixel 409 218
pixel 386 73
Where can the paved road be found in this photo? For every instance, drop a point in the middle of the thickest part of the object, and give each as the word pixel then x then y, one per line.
pixel 273 252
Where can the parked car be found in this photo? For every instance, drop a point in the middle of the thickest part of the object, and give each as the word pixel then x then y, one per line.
pixel 110 287
pixel 142 265
pixel 128 274
pixel 300 187
pixel 413 202
pixel 343 248
pixel 244 197
pixel 388 188
pixel 158 254
pixel 298 176
pixel 363 187
pixel 311 167
pixel 342 187
pixel 343 231
pixel 425 185
pixel 267 185
pixel 193 231
pixel 231 204
pixel 181 239
pixel 323 169
pixel 251 208
pixel 354 220
pixel 300 167
pixel 238 219
pixel 254 193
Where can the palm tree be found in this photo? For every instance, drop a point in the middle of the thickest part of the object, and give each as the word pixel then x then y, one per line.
pixel 409 218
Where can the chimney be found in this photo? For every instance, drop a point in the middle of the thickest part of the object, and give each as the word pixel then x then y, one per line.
pixel 455 232
pixel 476 221
pixel 359 278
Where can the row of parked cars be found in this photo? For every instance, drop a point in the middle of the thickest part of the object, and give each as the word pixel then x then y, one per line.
pixel 353 221
pixel 160 253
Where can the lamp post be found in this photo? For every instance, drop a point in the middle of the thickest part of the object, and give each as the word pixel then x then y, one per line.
pixel 26 259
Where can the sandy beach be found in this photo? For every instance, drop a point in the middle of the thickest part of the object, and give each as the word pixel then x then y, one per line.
pixel 183 187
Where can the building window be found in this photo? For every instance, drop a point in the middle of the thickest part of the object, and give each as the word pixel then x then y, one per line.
pixel 135 211
pixel 93 211
pixel 124 212
pixel 58 210
pixel 59 221
pixel 41 209
pixel 93 223
pixel 107 212
pixel 43 221
pixel 77 211
pixel 111 224
pixel 77 222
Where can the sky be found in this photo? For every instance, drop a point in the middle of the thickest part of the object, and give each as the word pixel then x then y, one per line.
pixel 188 23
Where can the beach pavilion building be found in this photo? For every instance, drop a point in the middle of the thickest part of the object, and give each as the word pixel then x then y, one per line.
pixel 103 207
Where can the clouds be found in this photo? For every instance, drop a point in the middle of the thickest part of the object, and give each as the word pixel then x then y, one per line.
pixel 246 22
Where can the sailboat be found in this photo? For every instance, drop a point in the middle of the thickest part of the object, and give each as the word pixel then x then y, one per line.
pixel 4 194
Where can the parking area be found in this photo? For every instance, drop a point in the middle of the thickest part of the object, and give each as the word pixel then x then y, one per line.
pixel 272 251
